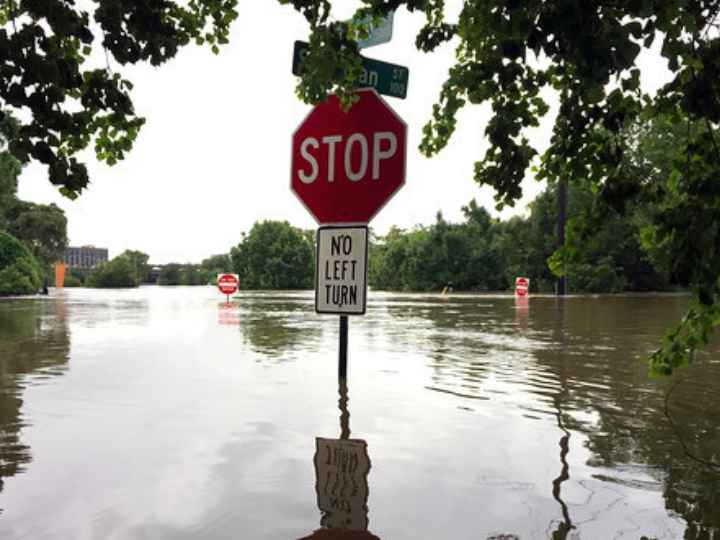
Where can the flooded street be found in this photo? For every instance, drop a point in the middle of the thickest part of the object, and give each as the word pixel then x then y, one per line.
pixel 161 413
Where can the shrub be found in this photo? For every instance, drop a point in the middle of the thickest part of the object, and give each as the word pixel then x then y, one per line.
pixel 120 272
pixel 601 277
pixel 19 271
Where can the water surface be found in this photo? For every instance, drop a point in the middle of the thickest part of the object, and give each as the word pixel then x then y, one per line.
pixel 162 413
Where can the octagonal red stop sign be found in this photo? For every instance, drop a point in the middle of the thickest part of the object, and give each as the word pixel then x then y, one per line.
pixel 347 165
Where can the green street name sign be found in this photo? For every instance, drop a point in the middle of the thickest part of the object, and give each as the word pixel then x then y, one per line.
pixel 388 79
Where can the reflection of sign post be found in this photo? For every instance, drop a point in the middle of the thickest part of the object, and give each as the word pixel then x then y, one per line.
pixel 341 471
pixel 341 273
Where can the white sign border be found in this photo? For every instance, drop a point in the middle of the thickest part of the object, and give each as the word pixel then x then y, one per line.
pixel 317 268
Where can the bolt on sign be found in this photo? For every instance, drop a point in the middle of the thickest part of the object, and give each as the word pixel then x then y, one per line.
pixel 341 482
pixel 341 275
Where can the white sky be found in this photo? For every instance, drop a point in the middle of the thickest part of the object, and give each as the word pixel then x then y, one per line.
pixel 214 155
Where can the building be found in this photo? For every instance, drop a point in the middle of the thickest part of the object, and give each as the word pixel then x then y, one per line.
pixel 85 257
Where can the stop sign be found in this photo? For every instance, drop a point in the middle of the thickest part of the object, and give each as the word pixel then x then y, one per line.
pixel 228 283
pixel 347 165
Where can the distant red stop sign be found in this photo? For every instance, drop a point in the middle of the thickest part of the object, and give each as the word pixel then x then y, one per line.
pixel 347 165
pixel 228 283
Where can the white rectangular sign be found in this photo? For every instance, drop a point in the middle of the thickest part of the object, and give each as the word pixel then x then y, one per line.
pixel 341 270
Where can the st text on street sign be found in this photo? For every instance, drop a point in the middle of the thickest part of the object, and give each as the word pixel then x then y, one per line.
pixel 388 79
pixel 347 165
pixel 341 482
pixel 382 33
pixel 341 270
pixel 228 283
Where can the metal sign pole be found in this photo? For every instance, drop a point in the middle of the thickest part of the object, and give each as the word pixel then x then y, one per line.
pixel 342 360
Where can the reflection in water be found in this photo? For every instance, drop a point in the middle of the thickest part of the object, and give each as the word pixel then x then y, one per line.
pixel 566 525
pixel 487 420
pixel 627 427
pixel 583 361
pixel 341 481
pixel 34 346
pixel 276 326
pixel 228 314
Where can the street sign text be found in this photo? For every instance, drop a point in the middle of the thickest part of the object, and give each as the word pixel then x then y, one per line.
pixel 386 78
pixel 341 271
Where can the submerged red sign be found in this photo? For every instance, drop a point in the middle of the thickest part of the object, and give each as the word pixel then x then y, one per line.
pixel 228 283
pixel 347 165
pixel 522 286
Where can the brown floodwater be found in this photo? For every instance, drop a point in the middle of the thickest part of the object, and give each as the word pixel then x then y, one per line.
pixel 163 413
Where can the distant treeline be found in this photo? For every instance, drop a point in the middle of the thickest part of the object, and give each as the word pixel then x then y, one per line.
pixel 486 254
pixel 479 254
pixel 131 269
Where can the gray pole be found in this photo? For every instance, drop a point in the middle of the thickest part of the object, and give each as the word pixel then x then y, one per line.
pixel 342 359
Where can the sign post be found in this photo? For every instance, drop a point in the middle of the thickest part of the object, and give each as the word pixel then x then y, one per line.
pixel 341 278
pixel 345 167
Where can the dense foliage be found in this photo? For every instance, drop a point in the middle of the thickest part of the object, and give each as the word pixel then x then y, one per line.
pixel 274 255
pixel 19 271
pixel 487 254
pixel 41 227
pixel 214 265
pixel 45 51
pixel 74 278
pixel 125 270
pixel 184 274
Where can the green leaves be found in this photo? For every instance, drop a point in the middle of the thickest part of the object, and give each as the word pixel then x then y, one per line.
pixel 44 53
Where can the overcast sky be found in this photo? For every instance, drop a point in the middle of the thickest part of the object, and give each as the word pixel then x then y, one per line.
pixel 214 155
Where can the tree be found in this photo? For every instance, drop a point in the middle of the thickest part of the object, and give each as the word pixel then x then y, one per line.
pixel 74 277
pixel 191 275
pixel 42 227
pixel 466 255
pixel 120 272
pixel 139 261
pixel 9 170
pixel 170 274
pixel 274 255
pixel 19 271
pixel 214 265
pixel 46 47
